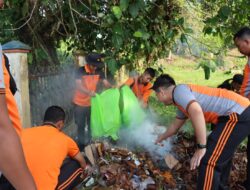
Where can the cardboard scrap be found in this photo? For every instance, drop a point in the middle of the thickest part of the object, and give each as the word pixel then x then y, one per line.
pixel 171 161
pixel 89 154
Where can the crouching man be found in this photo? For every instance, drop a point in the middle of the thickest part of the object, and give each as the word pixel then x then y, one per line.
pixel 229 112
pixel 45 149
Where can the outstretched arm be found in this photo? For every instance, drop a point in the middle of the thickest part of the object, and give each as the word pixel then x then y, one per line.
pixel 79 157
pixel 199 125
pixel 106 83
pixel 172 130
pixel 12 162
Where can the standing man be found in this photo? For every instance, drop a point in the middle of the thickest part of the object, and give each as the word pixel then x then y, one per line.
pixel 88 77
pixel 46 147
pixel 141 85
pixel 242 41
pixel 12 162
pixel 229 112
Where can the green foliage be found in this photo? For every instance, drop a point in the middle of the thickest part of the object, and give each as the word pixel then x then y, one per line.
pixel 124 4
pixel 194 42
pixel 138 34
pixel 117 12
pixel 184 70
pixel 208 66
pixel 112 65
pixel 224 18
pixel 122 29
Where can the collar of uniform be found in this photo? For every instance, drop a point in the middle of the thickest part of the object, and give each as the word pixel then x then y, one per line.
pixel 50 123
pixel 138 81
pixel 88 69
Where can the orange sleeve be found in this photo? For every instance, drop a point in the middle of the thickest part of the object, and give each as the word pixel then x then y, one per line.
pixel 129 82
pixel 72 147
pixel 147 92
pixel 146 96
pixel 245 87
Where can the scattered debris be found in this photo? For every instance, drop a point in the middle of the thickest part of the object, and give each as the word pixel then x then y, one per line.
pixel 171 161
pixel 90 181
pixel 89 153
pixel 123 169
pixel 119 168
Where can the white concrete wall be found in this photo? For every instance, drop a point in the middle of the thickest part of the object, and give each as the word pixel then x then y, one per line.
pixel 19 69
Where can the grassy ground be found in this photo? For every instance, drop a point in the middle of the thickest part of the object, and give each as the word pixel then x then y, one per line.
pixel 184 70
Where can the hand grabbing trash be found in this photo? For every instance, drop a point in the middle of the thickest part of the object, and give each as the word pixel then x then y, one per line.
pixel 88 171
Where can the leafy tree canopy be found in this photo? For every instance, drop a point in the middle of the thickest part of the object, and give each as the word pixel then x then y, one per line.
pixel 225 17
pixel 125 30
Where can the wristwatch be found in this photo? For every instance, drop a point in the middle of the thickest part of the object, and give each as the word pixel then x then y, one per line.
pixel 201 146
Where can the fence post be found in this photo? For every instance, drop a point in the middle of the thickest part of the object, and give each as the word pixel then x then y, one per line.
pixel 16 52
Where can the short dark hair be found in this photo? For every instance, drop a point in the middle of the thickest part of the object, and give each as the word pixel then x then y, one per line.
pixel 163 80
pixel 54 114
pixel 227 84
pixel 243 32
pixel 238 78
pixel 150 71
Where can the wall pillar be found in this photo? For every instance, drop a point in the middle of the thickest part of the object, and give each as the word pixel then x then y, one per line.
pixel 19 69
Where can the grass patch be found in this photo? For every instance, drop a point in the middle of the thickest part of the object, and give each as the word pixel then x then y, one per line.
pixel 184 70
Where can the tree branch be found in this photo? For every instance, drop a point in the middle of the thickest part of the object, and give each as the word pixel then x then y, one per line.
pixel 85 18
pixel 41 43
pixel 84 5
pixel 18 28
pixel 70 6
pixel 59 4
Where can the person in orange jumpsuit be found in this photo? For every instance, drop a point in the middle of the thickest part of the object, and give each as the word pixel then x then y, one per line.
pixel 141 85
pixel 88 78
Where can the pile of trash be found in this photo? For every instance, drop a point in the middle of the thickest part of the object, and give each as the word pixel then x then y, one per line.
pixel 119 168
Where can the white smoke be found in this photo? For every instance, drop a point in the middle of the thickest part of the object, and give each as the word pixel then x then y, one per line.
pixel 144 137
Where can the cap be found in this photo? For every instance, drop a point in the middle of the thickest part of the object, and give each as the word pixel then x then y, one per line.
pixel 95 59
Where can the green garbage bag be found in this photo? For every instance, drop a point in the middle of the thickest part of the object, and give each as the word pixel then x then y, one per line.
pixel 105 114
pixel 131 110
pixel 96 120
pixel 111 112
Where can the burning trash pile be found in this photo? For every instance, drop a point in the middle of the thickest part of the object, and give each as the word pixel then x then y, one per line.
pixel 119 168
